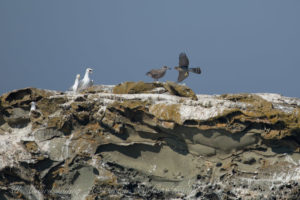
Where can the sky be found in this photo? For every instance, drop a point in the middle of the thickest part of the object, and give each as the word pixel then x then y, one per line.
pixel 245 46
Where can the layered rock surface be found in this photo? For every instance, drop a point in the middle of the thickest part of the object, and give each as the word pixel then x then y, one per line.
pixel 148 141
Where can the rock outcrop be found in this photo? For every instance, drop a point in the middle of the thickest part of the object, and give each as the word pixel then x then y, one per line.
pixel 148 141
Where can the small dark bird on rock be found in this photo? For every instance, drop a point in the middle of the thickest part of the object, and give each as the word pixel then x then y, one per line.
pixel 157 73
pixel 184 69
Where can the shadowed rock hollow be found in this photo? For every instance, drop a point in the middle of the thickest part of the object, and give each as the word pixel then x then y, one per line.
pixel 148 141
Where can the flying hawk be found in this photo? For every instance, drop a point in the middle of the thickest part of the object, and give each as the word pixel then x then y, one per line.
pixel 184 69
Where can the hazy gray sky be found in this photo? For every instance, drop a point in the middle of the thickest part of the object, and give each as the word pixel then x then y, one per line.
pixel 241 46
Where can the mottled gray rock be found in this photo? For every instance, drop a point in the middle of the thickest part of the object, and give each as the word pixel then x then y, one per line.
pixel 57 148
pixel 17 118
pixel 148 141
pixel 43 134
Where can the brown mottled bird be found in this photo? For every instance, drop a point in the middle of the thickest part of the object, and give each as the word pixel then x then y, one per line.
pixel 184 69
pixel 157 73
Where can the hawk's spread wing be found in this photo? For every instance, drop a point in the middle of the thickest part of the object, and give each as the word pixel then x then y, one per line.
pixel 182 75
pixel 183 60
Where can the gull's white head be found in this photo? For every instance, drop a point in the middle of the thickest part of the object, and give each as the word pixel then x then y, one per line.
pixel 78 76
pixel 89 70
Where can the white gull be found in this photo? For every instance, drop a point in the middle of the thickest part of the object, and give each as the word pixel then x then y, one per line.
pixel 75 86
pixel 86 82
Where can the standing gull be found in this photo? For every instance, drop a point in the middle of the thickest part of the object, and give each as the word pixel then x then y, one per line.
pixel 33 110
pixel 75 86
pixel 33 106
pixel 86 81
pixel 184 69
pixel 157 73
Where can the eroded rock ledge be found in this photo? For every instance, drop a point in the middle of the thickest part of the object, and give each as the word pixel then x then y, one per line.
pixel 148 141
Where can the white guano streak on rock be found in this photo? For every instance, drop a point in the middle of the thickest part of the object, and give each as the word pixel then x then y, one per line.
pixel 44 145
pixel 198 113
pixel 152 97
pixel 285 104
pixel 67 146
pixel 11 150
pixel 207 106
pixel 277 98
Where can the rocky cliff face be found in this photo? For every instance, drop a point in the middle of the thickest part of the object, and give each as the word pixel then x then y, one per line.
pixel 148 141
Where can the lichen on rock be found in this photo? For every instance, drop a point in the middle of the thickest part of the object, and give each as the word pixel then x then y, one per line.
pixel 142 87
pixel 135 87
pixel 166 112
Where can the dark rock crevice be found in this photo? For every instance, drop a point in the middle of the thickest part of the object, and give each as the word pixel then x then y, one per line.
pixel 133 151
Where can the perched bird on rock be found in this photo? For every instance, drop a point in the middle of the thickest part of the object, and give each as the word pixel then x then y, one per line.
pixel 75 86
pixel 184 69
pixel 157 73
pixel 33 111
pixel 33 106
pixel 86 82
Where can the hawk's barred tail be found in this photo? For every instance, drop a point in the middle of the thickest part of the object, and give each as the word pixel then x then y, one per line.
pixel 196 70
